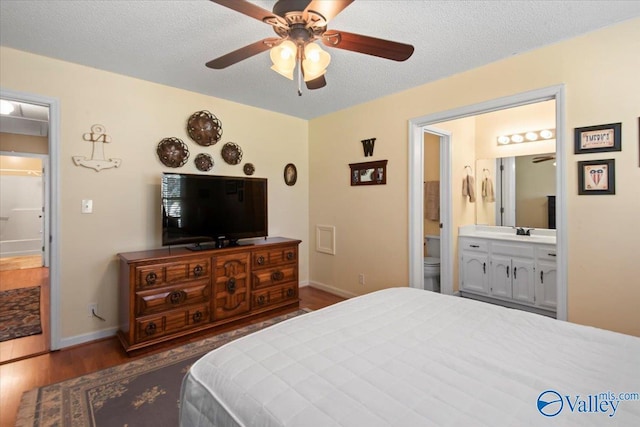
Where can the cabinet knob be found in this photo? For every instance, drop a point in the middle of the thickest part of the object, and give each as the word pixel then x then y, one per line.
pixel 277 276
pixel 261 300
pixel 197 316
pixel 290 256
pixel 150 329
pixel 151 278
pixel 260 260
pixel 198 270
pixel 231 285
pixel 290 292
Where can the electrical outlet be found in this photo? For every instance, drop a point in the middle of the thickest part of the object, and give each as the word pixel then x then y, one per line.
pixel 92 308
pixel 361 278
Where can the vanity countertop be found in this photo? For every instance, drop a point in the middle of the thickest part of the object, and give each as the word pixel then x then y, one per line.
pixel 542 236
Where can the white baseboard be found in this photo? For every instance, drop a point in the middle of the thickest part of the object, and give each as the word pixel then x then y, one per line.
pixel 84 338
pixel 331 289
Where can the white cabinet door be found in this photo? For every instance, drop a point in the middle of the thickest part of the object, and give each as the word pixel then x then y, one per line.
pixel 500 279
pixel 546 284
pixel 523 280
pixel 473 268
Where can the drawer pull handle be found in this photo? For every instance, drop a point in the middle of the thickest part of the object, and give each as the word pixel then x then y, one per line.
pixel 151 278
pixel 150 329
pixel 484 268
pixel 474 246
pixel 515 272
pixel 231 285
pixel 177 297
pixel 197 317
pixel 290 292
pixel 198 270
pixel 290 256
pixel 277 275
pixel 551 254
pixel 507 271
pixel 260 260
pixel 542 277
pixel 261 300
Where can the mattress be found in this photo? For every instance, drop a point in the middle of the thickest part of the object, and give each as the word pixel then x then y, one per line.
pixel 408 357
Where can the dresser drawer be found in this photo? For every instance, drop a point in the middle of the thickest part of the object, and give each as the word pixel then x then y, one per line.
pixel 514 250
pixel 155 301
pixel 274 295
pixel 157 275
pixel 546 252
pixel 271 257
pixel 470 244
pixel 274 276
pixel 170 322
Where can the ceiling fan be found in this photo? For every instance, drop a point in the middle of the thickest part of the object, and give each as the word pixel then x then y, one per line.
pixel 298 24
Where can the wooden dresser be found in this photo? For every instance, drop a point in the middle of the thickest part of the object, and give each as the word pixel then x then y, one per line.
pixel 173 292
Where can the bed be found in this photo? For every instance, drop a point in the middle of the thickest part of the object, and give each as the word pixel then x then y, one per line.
pixel 408 357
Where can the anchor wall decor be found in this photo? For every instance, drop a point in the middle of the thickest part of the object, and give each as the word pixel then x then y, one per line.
pixel 97 160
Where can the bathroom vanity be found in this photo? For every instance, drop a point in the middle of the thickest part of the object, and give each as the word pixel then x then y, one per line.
pixel 499 266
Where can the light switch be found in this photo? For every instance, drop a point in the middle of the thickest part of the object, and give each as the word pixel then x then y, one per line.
pixel 87 206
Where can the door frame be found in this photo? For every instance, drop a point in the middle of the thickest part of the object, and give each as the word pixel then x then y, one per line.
pixel 53 214
pixel 417 127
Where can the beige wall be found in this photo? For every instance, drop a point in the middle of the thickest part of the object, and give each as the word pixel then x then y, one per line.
pixel 137 115
pixel 23 143
pixel 371 222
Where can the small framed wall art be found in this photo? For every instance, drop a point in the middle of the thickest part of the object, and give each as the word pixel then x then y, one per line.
pixel 599 138
pixel 369 173
pixel 596 177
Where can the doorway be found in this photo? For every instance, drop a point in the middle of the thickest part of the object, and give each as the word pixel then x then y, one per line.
pixel 416 201
pixel 25 224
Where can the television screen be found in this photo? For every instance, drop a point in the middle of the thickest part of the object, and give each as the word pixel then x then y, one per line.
pixel 209 208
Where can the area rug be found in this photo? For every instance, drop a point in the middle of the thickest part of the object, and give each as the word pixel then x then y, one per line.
pixel 20 313
pixel 143 392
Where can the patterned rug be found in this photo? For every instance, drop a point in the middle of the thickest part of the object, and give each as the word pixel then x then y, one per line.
pixel 143 392
pixel 20 313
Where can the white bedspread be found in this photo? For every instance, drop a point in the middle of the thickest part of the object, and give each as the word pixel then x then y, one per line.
pixel 407 357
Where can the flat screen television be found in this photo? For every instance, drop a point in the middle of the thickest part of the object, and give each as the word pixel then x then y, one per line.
pixel 212 211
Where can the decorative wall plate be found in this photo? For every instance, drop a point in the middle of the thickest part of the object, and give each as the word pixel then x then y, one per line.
pixel 204 128
pixel 232 153
pixel 290 174
pixel 249 169
pixel 203 162
pixel 172 152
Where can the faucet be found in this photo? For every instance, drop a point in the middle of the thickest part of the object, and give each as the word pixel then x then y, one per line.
pixel 521 231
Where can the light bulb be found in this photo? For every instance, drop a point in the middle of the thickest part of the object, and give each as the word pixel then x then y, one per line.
pixel 503 139
pixel 517 138
pixel 531 136
pixel 546 134
pixel 6 107
pixel 315 62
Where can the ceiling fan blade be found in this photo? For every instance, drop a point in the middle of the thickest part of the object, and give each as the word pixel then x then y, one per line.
pixel 316 83
pixel 247 8
pixel 367 45
pixel 243 53
pixel 328 9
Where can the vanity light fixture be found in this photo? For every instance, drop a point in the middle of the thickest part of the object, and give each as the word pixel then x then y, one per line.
pixel 530 136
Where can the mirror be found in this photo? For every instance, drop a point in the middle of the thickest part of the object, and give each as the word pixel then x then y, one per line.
pixel 517 191
pixel 369 173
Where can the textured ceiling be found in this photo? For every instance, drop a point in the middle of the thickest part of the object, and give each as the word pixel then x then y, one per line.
pixel 169 42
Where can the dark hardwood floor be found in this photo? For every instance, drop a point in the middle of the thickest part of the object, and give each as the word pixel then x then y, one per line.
pixel 26 374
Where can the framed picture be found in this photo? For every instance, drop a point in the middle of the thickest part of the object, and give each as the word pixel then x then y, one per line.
pixel 597 177
pixel 290 174
pixel 369 173
pixel 598 138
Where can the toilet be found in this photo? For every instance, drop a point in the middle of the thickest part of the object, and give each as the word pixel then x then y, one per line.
pixel 432 264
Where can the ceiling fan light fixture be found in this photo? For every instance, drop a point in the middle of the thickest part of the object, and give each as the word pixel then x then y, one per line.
pixel 283 57
pixel 315 62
